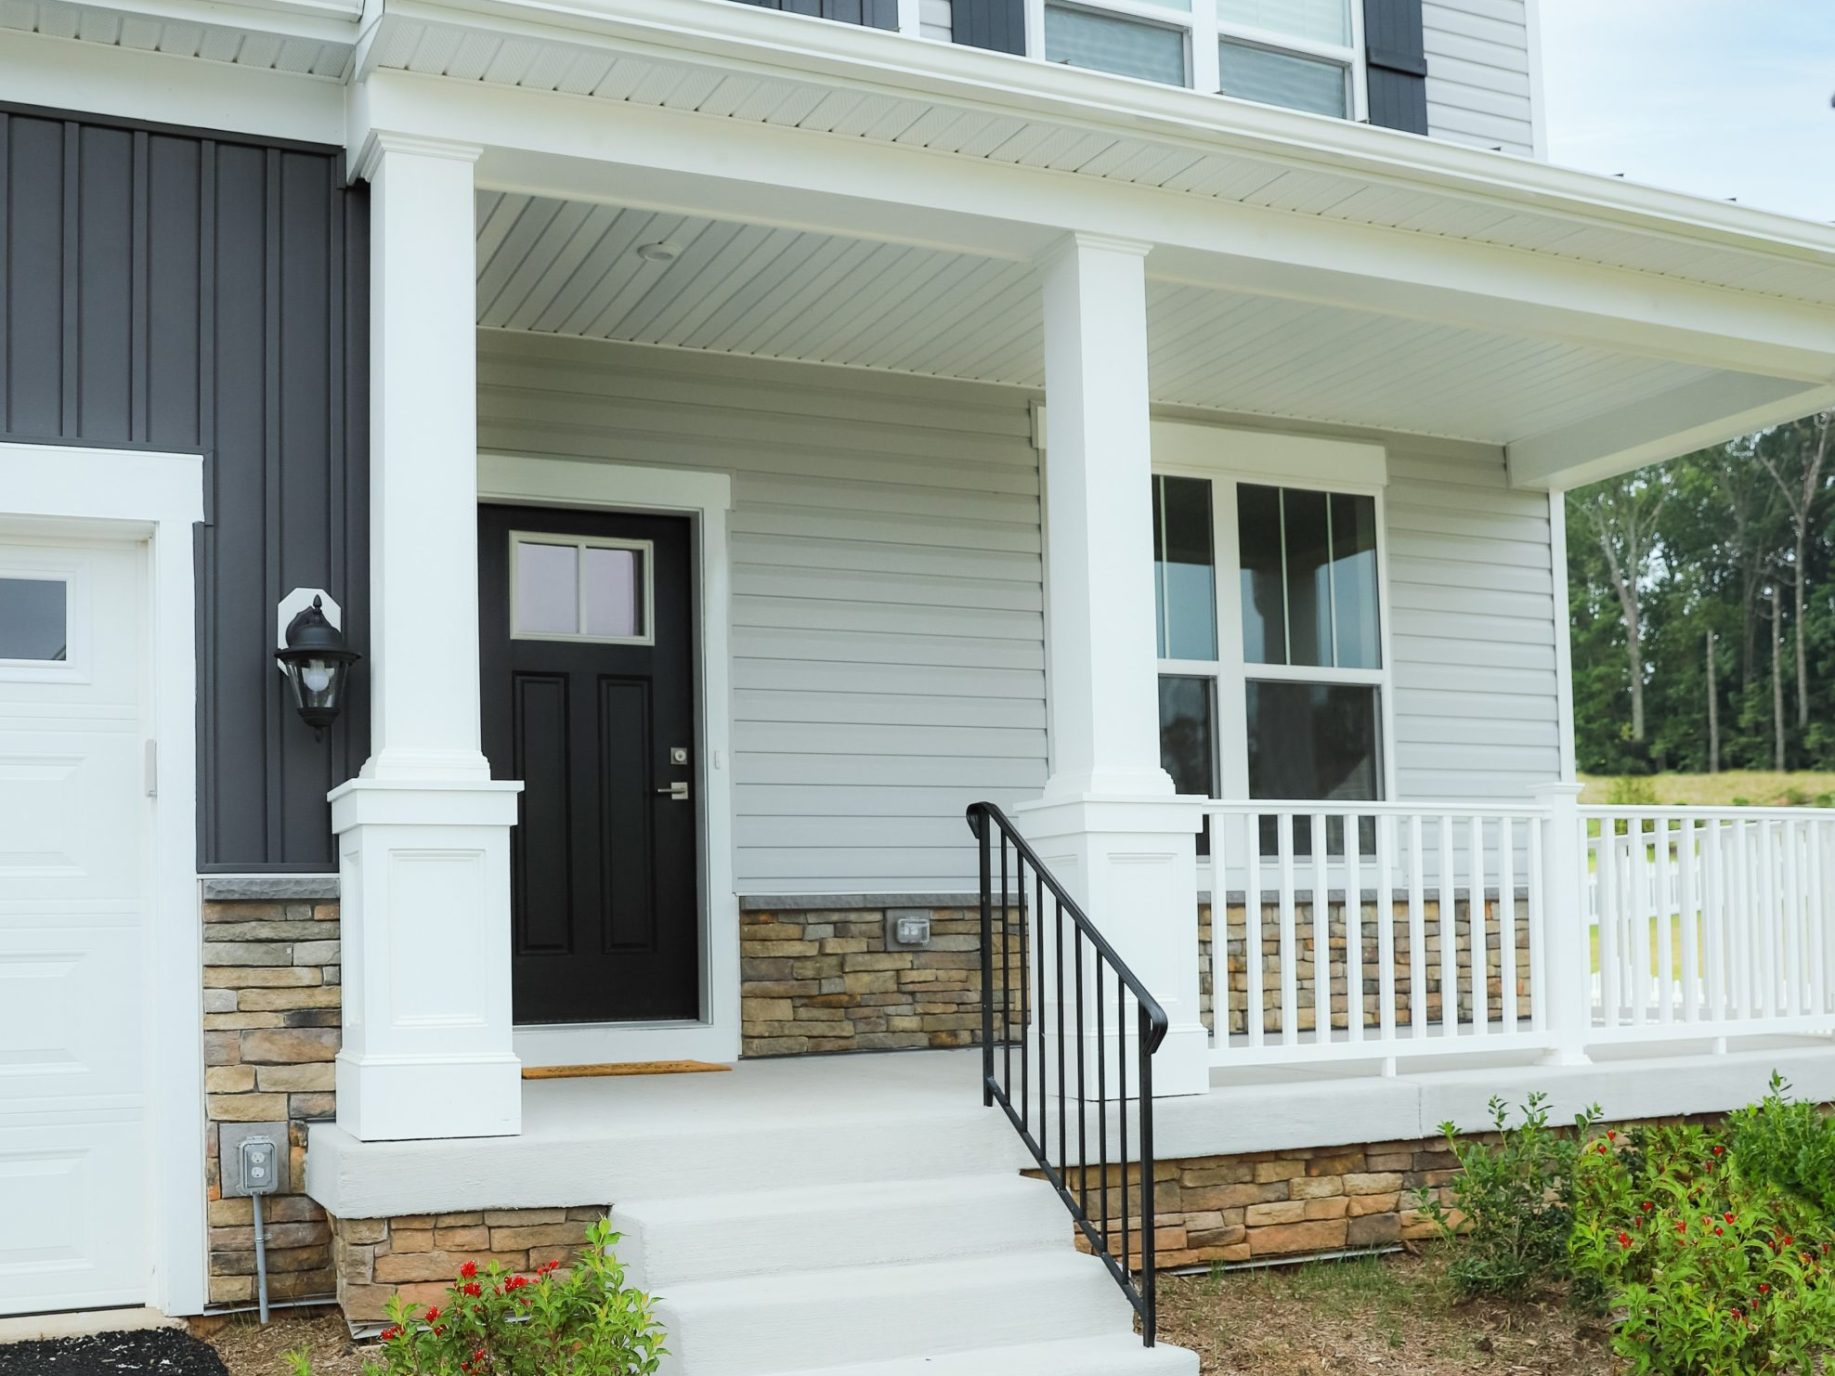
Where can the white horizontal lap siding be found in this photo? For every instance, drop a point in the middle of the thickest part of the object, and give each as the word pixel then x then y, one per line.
pixel 1479 89
pixel 1471 593
pixel 936 19
pixel 887 609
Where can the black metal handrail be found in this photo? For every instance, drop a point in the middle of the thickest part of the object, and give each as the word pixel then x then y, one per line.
pixel 1035 952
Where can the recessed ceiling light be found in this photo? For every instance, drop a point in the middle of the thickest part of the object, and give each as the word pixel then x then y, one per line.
pixel 663 252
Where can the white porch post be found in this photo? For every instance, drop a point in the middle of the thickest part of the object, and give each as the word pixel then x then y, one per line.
pixel 423 833
pixel 1109 824
pixel 1567 964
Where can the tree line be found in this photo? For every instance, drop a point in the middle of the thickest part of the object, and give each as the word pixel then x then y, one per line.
pixel 1702 595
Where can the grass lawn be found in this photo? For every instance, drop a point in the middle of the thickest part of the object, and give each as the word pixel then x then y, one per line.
pixel 1754 787
pixel 1385 1315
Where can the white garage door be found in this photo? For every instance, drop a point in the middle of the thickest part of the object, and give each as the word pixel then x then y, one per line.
pixel 73 921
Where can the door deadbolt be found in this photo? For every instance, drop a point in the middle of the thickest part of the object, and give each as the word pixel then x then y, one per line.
pixel 678 754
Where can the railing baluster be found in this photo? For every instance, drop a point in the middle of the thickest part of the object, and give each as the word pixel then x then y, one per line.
pixel 1385 924
pixel 1290 955
pixel 1102 1104
pixel 1606 921
pixel 1771 1003
pixel 1149 1212
pixel 1480 952
pixel 1449 935
pixel 1713 921
pixel 1353 931
pixel 1253 1012
pixel 1058 962
pixel 1506 923
pixel 1121 1117
pixel 1417 928
pixel 1665 962
pixel 1642 919
pixel 1689 871
pixel 1322 933
pixel 1790 865
pixel 1083 1146
pixel 1541 972
pixel 1818 915
pixel 983 827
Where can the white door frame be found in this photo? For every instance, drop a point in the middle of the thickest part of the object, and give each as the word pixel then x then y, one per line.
pixel 131 494
pixel 530 480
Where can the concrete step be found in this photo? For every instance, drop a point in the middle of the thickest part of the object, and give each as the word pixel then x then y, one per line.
pixel 1118 1355
pixel 796 1320
pixel 829 1227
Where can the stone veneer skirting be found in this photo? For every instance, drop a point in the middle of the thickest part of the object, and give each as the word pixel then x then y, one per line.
pixel 420 1254
pixel 271 1032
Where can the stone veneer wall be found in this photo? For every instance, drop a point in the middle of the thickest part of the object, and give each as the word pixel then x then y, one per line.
pixel 825 980
pixel 271 1020
pixel 420 1254
pixel 1372 986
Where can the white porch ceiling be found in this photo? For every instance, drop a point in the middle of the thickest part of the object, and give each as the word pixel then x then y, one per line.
pixel 572 268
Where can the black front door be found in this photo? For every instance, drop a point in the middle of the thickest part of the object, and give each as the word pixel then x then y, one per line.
pixel 589 698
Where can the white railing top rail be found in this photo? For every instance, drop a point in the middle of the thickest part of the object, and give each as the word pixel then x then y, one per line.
pixel 1228 807
pixel 1731 812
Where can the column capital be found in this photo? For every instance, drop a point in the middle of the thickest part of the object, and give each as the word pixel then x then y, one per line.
pixel 1080 240
pixel 381 141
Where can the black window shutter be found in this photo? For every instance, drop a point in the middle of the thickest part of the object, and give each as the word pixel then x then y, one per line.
pixel 996 24
pixel 1396 61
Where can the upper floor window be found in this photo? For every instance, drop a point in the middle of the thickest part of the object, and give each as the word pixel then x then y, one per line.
pixel 1302 54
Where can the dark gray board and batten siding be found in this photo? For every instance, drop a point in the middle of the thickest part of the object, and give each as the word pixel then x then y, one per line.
pixel 183 292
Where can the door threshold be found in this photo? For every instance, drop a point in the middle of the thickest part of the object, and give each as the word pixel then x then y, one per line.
pixel 587 1072
pixel 551 1045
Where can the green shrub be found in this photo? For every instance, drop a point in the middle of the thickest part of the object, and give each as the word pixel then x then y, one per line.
pixel 1788 1145
pixel 1708 1271
pixel 582 1322
pixel 1512 1202
pixel 1632 791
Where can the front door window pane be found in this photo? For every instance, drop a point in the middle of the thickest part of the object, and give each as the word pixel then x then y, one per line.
pixel 547 589
pixel 1108 43
pixel 1184 569
pixel 1354 590
pixel 1274 78
pixel 1188 739
pixel 34 619
pixel 614 592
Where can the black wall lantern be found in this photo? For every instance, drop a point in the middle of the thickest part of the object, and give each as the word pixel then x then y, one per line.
pixel 317 666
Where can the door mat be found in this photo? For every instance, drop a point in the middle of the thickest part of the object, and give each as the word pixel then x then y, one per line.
pixel 581 1072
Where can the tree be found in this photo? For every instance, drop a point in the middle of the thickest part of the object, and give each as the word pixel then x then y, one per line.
pixel 1796 457
pixel 1620 515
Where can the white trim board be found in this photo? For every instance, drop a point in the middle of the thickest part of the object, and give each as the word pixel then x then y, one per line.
pixel 533 480
pixel 156 497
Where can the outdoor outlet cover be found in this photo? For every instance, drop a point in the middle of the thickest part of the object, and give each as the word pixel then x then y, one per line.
pixel 907 928
pixel 241 1160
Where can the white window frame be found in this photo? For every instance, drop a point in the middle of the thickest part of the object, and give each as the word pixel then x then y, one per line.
pixel 74 666
pixel 582 543
pixel 1204 31
pixel 1231 672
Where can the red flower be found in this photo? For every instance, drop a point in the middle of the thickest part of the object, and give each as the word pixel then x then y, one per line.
pixel 1611 1136
pixel 389 1334
pixel 515 1282
pixel 474 1289
pixel 1681 1225
pixel 1764 1287
pixel 433 1313
pixel 1720 1232
pixel 1624 1239
pixel 1728 1217
pixel 467 1271
pixel 1720 1151
pixel 1647 1206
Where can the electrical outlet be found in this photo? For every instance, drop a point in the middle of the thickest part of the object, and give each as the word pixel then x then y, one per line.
pixel 907 929
pixel 252 1158
pixel 260 1160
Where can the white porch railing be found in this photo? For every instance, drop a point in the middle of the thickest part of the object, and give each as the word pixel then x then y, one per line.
pixel 1454 929
pixel 1713 919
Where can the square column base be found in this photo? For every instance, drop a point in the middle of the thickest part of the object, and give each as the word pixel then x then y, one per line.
pixel 425 874
pixel 1132 862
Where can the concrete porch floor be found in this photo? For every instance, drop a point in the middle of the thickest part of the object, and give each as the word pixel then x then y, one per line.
pixel 606 1140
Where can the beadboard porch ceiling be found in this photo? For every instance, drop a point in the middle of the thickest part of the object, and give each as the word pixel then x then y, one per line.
pixel 770 291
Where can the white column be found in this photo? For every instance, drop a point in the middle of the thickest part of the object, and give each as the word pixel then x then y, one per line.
pixel 423 832
pixel 1566 967
pixel 1110 824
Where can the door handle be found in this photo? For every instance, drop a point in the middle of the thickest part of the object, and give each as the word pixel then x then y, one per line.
pixel 677 792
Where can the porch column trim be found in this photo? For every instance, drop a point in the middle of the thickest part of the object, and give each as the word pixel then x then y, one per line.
pixel 424 832
pixel 1110 824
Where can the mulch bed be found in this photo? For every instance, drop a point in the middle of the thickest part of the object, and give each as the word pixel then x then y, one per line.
pixel 1377 1316
pixel 248 1349
pixel 156 1351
